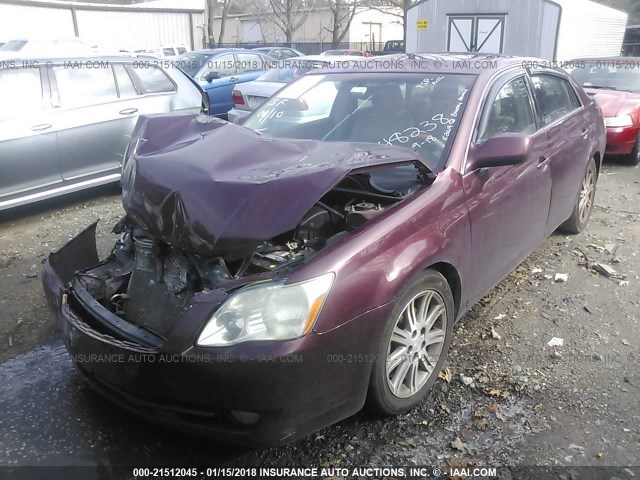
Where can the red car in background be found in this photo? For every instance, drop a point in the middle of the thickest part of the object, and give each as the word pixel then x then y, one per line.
pixel 614 83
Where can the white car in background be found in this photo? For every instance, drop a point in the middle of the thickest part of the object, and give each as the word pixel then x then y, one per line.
pixel 166 51
pixel 249 96
pixel 45 48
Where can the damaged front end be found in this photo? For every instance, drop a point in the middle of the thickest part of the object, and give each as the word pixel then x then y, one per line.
pixel 212 208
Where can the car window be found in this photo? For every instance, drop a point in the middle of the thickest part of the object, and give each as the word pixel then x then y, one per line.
pixel 250 62
pixel 181 50
pixel 168 52
pixel 553 97
pixel 225 65
pixel 615 75
pixel 80 86
pixel 288 53
pixel 152 79
pixel 20 92
pixel 125 84
pixel 510 111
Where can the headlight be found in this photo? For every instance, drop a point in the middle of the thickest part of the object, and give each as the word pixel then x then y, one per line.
pixel 268 311
pixel 622 121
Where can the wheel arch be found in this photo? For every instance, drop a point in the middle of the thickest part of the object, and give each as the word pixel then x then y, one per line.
pixel 451 275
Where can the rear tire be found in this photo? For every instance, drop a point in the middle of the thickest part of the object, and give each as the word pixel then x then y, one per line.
pixel 579 219
pixel 413 346
pixel 633 158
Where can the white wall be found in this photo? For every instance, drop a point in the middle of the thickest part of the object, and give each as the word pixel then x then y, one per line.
pixel 589 29
pixel 25 21
pixel 107 28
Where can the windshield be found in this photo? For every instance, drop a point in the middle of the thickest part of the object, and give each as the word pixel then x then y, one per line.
pixel 418 111
pixel 13 45
pixel 292 70
pixel 625 77
pixel 190 63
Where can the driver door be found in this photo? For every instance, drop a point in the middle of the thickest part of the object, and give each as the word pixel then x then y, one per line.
pixel 219 89
pixel 509 205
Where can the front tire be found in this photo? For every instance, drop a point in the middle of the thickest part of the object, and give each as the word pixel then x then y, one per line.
pixel 633 158
pixel 413 346
pixel 579 219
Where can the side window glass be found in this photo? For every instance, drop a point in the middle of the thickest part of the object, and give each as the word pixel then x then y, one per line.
pixel 181 50
pixel 511 111
pixel 153 79
pixel 249 62
pixel 125 84
pixel 20 92
pixel 573 96
pixel 225 65
pixel 80 86
pixel 552 96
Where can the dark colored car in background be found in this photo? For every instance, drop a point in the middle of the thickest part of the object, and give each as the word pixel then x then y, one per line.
pixel 219 70
pixel 279 53
pixel 391 47
pixel 346 51
pixel 65 123
pixel 614 83
pixel 275 278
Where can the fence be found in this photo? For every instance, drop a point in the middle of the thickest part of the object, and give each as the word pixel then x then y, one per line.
pixel 312 48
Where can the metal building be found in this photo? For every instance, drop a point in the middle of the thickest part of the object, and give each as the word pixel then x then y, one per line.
pixel 549 29
pixel 112 27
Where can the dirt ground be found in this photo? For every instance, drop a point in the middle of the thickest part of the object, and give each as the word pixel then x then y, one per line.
pixel 506 397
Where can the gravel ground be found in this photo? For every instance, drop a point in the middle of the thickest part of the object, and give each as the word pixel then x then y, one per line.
pixel 506 396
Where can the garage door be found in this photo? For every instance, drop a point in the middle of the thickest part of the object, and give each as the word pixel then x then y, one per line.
pixel 476 33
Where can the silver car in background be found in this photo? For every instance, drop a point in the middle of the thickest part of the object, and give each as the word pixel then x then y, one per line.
pixel 65 124
pixel 247 97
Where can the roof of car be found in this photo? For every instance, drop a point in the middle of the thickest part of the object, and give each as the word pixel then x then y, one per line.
pixel 605 59
pixel 429 62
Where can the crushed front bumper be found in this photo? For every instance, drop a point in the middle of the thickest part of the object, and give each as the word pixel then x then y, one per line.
pixel 258 394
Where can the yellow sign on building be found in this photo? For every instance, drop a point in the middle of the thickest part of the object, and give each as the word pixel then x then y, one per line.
pixel 422 24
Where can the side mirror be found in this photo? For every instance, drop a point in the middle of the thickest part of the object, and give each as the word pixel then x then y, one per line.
pixel 212 76
pixel 501 150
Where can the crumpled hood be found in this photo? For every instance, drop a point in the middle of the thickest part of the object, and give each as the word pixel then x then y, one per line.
pixel 614 102
pixel 214 188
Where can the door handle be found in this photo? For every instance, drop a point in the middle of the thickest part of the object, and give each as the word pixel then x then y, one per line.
pixel 41 127
pixel 128 111
pixel 585 132
pixel 233 79
pixel 543 162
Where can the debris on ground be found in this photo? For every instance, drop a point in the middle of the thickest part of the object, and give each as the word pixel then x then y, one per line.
pixel 561 277
pixel 556 342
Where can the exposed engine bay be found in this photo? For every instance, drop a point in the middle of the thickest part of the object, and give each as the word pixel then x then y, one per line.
pixel 149 282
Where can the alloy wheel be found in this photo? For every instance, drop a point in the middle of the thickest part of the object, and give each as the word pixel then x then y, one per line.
pixel 416 344
pixel 587 190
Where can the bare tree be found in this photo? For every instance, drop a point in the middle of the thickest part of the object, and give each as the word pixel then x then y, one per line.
pixel 289 15
pixel 212 9
pixel 342 13
pixel 223 19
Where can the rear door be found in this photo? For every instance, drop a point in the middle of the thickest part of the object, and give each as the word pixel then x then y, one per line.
pixel 93 121
pixel 28 145
pixel 568 130
pixel 508 206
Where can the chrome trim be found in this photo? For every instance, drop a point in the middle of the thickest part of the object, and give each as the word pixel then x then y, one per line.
pixel 58 191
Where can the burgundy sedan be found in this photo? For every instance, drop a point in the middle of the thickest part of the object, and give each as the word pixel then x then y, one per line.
pixel 272 280
pixel 614 83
